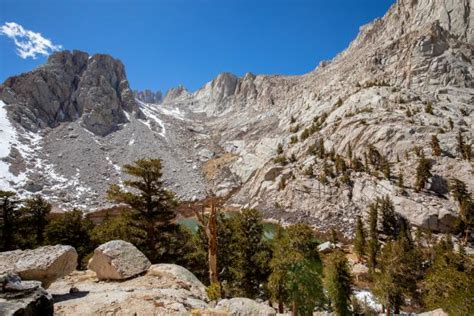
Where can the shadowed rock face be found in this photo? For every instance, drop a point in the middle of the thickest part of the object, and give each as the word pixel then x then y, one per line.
pixel 71 86
pixel 26 298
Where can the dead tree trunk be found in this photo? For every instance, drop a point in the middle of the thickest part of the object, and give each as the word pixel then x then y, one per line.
pixel 210 228
pixel 211 232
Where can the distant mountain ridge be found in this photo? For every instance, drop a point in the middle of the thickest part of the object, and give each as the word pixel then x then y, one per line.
pixel 257 139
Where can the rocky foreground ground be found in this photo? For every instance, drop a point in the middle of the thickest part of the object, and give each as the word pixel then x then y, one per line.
pixel 119 281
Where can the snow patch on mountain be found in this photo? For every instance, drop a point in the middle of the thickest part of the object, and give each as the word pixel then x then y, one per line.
pixel 27 144
pixel 152 114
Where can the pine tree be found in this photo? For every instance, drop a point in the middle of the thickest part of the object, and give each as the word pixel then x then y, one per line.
pixel 400 182
pixel 338 281
pixel 36 211
pixel 435 147
pixel 71 228
pixel 360 243
pixel 461 194
pixel 385 168
pixel 400 267
pixel 459 190
pixel 153 206
pixel 113 228
pixel 373 244
pixel 296 270
pixel 389 219
pixel 374 156
pixel 340 165
pixel 349 152
pixel 429 108
pixel 460 144
pixel 320 149
pixel 253 255
pixel 423 173
pixel 357 165
pixel 280 149
pixel 449 283
pixel 464 150
pixel 9 208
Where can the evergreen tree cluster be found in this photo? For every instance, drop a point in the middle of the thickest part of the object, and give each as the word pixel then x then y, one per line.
pixel 416 272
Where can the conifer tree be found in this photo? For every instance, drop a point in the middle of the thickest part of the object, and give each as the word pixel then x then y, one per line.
pixel 459 190
pixel 373 244
pixel 296 270
pixel 429 108
pixel 400 267
pixel 280 149
pixel 435 147
pixel 389 219
pixel 449 283
pixel 464 150
pixel 349 152
pixel 374 156
pixel 338 281
pixel 153 206
pixel 36 211
pixel 360 242
pixel 460 144
pixel 340 165
pixel 400 182
pixel 253 255
pixel 423 173
pixel 461 194
pixel 385 168
pixel 9 208
pixel 71 228
pixel 320 149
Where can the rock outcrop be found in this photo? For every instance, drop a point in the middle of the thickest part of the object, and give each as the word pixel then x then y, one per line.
pixel 23 298
pixel 71 86
pixel 165 289
pixel 118 260
pixel 148 96
pixel 44 264
pixel 244 306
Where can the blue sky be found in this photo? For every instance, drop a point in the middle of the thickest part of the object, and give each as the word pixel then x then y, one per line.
pixel 165 43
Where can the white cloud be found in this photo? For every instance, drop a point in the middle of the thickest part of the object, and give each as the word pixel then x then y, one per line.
pixel 28 43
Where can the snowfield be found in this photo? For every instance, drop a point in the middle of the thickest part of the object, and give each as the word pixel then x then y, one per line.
pixel 8 139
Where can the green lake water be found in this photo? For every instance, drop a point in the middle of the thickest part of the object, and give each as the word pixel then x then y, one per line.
pixel 269 229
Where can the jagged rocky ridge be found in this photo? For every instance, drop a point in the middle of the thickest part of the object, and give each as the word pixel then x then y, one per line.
pixel 148 96
pixel 225 136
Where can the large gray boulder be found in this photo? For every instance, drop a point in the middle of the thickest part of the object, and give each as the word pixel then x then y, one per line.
pixel 241 306
pixel 180 275
pixel 118 260
pixel 44 264
pixel 23 298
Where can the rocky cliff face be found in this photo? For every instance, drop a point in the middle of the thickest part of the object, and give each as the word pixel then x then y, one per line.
pixel 148 96
pixel 71 86
pixel 225 136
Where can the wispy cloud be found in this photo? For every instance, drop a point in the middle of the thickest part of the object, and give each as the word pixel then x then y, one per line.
pixel 28 43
